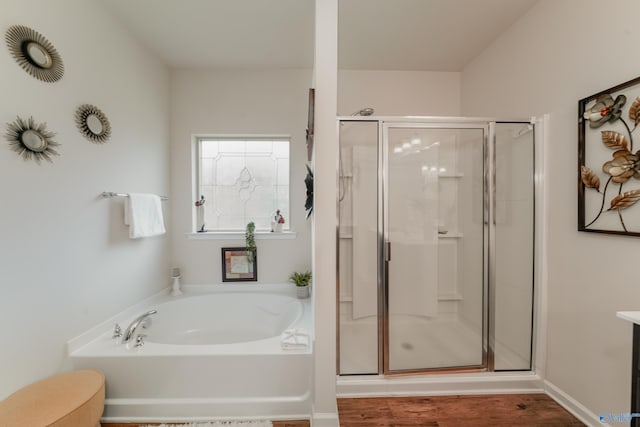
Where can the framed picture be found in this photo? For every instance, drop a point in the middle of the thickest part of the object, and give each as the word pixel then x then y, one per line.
pixel 239 265
pixel 609 161
pixel 310 119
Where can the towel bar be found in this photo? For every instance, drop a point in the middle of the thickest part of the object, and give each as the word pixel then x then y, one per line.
pixel 107 194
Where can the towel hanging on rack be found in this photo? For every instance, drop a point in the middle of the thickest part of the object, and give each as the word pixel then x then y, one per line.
pixel 143 215
pixel 108 194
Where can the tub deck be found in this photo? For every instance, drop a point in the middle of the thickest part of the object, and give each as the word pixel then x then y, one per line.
pixel 168 382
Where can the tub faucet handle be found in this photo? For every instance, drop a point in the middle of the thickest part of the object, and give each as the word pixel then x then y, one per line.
pixel 140 340
pixel 117 332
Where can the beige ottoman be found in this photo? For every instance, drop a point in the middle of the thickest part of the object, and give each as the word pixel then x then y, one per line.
pixel 70 399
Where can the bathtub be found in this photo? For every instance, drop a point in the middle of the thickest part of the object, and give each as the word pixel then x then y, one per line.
pixel 212 353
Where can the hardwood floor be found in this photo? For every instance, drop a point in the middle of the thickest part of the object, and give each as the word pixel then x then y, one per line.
pixel 504 410
pixel 291 424
pixel 526 410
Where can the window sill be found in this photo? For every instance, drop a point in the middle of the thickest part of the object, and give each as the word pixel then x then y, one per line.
pixel 239 235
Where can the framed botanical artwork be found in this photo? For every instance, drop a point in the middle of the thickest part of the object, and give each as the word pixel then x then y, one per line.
pixel 609 161
pixel 239 265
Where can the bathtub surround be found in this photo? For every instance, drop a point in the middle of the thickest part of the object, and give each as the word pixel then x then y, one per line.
pixel 240 352
pixel 65 251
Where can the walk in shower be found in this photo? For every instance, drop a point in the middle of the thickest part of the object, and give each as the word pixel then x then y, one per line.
pixel 435 245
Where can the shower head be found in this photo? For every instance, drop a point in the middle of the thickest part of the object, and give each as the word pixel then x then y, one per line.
pixel 522 131
pixel 364 112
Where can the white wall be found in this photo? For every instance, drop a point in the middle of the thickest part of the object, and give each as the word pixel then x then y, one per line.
pixel 66 260
pixel 247 102
pixel 399 93
pixel 558 53
pixel 325 157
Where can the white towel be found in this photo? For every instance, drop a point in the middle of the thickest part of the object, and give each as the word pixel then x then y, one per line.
pixel 293 339
pixel 143 215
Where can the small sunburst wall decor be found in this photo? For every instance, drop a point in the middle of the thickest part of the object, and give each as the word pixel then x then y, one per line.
pixel 34 53
pixel 31 140
pixel 93 124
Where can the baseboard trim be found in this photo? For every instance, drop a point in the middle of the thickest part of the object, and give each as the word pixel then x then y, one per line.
pixel 577 409
pixel 439 385
pixel 325 419
pixel 199 409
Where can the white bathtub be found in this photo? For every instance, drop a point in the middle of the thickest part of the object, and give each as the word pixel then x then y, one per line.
pixel 223 318
pixel 212 353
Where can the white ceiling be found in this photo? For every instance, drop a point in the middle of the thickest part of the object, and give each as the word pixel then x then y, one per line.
pixel 434 35
pixel 223 33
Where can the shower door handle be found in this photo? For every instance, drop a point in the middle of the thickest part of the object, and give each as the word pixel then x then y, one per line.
pixel 387 251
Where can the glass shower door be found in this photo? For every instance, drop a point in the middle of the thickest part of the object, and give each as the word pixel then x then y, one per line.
pixel 434 232
pixel 513 278
pixel 358 248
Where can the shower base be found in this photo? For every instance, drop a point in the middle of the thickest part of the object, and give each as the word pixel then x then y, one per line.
pixel 417 343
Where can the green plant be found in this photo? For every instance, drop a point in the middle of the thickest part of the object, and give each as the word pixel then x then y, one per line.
pixel 300 279
pixel 250 241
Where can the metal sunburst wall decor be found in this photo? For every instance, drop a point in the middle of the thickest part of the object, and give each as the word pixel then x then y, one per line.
pixel 93 124
pixel 34 53
pixel 31 140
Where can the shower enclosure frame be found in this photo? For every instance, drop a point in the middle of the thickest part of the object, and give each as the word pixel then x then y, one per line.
pixel 489 226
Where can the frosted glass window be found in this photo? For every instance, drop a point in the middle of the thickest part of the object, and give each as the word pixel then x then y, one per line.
pixel 243 180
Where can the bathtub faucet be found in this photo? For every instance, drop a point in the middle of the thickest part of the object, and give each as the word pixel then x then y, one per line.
pixel 142 320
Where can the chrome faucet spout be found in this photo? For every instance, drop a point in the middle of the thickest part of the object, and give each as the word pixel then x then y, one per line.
pixel 141 320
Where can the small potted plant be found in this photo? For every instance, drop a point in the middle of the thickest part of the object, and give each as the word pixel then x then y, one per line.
pixel 301 281
pixel 250 241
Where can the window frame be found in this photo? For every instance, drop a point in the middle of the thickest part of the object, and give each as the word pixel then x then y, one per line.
pixel 219 233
